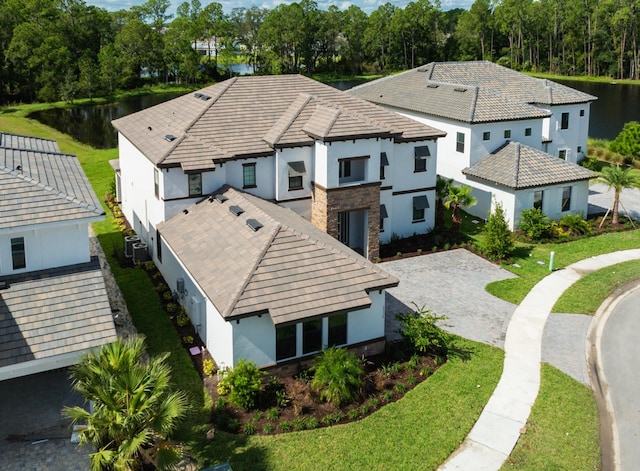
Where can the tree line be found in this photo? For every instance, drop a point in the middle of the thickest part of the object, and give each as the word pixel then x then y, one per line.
pixel 59 49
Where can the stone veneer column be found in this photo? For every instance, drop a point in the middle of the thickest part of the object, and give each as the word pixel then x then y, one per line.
pixel 329 202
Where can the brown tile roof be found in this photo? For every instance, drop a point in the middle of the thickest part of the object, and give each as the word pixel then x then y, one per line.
pixel 54 312
pixel 41 186
pixel 249 116
pixel 518 166
pixel 287 268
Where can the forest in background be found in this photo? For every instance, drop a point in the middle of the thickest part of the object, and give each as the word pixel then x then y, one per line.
pixel 62 49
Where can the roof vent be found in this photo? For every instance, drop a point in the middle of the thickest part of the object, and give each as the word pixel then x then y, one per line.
pixel 197 95
pixel 204 97
pixel 459 89
pixel 432 85
pixel 220 197
pixel 254 224
pixel 185 211
pixel 237 210
pixel 170 137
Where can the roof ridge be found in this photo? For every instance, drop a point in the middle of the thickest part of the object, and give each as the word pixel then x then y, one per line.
pixel 474 103
pixel 517 150
pixel 307 97
pixel 355 114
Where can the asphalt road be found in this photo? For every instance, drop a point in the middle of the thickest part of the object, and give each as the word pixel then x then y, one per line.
pixel 620 350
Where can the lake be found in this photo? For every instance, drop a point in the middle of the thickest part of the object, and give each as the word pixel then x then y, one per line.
pixel 91 124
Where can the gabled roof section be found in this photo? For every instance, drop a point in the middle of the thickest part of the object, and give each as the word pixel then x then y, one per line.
pixel 250 116
pixel 518 167
pixel 38 187
pixel 506 82
pixel 412 91
pixel 287 267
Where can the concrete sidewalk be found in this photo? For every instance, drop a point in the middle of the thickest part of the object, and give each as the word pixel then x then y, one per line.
pixel 498 428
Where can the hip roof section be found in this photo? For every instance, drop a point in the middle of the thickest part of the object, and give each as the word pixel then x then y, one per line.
pixel 251 116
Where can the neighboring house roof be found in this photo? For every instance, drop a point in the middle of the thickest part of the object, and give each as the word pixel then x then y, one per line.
pixel 505 81
pixel 518 167
pixel 287 268
pixel 42 186
pixel 412 91
pixel 54 312
pixel 251 116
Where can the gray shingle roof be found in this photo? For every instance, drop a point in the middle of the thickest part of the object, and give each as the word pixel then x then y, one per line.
pixel 16 141
pixel 41 187
pixel 250 116
pixel 518 166
pixel 54 312
pixel 288 267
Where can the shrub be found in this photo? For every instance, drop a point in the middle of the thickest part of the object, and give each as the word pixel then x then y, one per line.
pixel 224 384
pixel 208 367
pixel 273 413
pixel 245 381
pixel 338 375
pixel 249 428
pixel 420 332
pixel 534 224
pixel 498 241
pixel 575 224
pixel 281 398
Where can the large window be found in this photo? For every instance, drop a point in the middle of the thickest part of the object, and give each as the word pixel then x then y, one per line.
pixel 18 253
pixel 564 122
pixel 338 330
pixel 248 175
pixel 195 184
pixel 460 142
pixel 566 198
pixel 537 199
pixel 285 342
pixel 312 336
pixel 296 172
pixel 420 203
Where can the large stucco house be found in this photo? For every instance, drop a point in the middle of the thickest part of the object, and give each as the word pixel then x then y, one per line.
pixel 53 300
pixel 312 166
pixel 485 110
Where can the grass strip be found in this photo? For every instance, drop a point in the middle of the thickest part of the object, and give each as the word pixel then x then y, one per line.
pixel 417 432
pixel 587 294
pixel 563 429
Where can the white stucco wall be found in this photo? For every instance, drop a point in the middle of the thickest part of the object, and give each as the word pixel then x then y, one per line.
pixel 281 182
pixel 574 136
pixel 265 176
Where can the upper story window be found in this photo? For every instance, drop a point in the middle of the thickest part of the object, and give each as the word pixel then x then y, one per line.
pixel 581 112
pixel 507 133
pixel 562 153
pixel 537 199
pixel 158 246
pixel 420 203
pixel 384 162
pixel 564 122
pixel 460 142
pixel 18 256
pixel 351 170
pixel 195 184
pixel 156 182
pixel 579 149
pixel 248 175
pixel 566 198
pixel 527 132
pixel 296 172
pixel 420 158
pixel 383 215
pixel 486 136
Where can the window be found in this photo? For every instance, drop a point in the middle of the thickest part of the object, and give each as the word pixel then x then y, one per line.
pixel 420 203
pixel 420 159
pixel 527 132
pixel 581 112
pixel 566 198
pixel 564 123
pixel 562 153
pixel 384 162
pixel 460 142
pixel 507 133
pixel 158 246
pixel 537 199
pixel 579 149
pixel 18 253
pixel 345 169
pixel 312 336
pixel 248 175
pixel 285 342
pixel 383 215
pixel 343 227
pixel 352 169
pixel 156 182
pixel 486 136
pixel 195 184
pixel 296 171
pixel 338 330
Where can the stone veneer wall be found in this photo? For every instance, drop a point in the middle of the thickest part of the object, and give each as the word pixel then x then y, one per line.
pixel 329 202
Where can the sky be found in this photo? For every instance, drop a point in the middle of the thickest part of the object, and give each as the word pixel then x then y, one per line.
pixel 366 5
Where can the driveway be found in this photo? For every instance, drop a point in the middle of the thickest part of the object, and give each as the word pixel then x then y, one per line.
pixel 452 284
pixel 601 199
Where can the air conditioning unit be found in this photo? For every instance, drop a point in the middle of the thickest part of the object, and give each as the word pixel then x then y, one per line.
pixel 140 253
pixel 128 245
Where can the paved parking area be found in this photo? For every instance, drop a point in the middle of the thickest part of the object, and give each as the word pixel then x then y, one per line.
pixel 452 284
pixel 601 199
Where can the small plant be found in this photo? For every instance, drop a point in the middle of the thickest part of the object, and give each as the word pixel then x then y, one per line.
pixel 149 266
pixel 156 276
pixel 413 362
pixel 182 319
pixel 363 410
pixel 245 381
pixel 161 287
pixel 411 380
pixel 426 372
pixel 419 251
pixel 387 396
pixel 334 418
pixel 399 254
pixel 285 426
pixel 305 376
pixel 420 332
pixel 338 375
pixel 447 246
pixel 208 367
pixel 221 403
pixel 353 414
pixel 273 413
pixel 311 423
pixel 256 417
pixel 249 428
pixel 575 224
pixel 282 400
pixel 268 429
pixel 374 403
pixel 400 388
pixel 172 308
pixel 187 339
pixel 299 423
pixel 233 425
pixel 224 384
pixel 167 296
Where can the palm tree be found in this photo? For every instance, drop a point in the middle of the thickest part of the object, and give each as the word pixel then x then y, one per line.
pixel 134 409
pixel 618 178
pixel 442 190
pixel 458 196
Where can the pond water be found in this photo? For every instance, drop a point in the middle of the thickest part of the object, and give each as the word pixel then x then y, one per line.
pixel 91 124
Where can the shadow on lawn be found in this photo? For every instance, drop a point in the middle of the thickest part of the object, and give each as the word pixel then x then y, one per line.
pixel 231 448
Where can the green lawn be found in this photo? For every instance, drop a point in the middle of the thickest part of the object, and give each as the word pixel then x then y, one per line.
pixel 562 432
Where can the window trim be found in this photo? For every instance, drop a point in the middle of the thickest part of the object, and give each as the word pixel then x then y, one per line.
pixel 296 172
pixel 245 168
pixel 562 154
pixel 419 208
pixel 18 253
pixel 198 189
